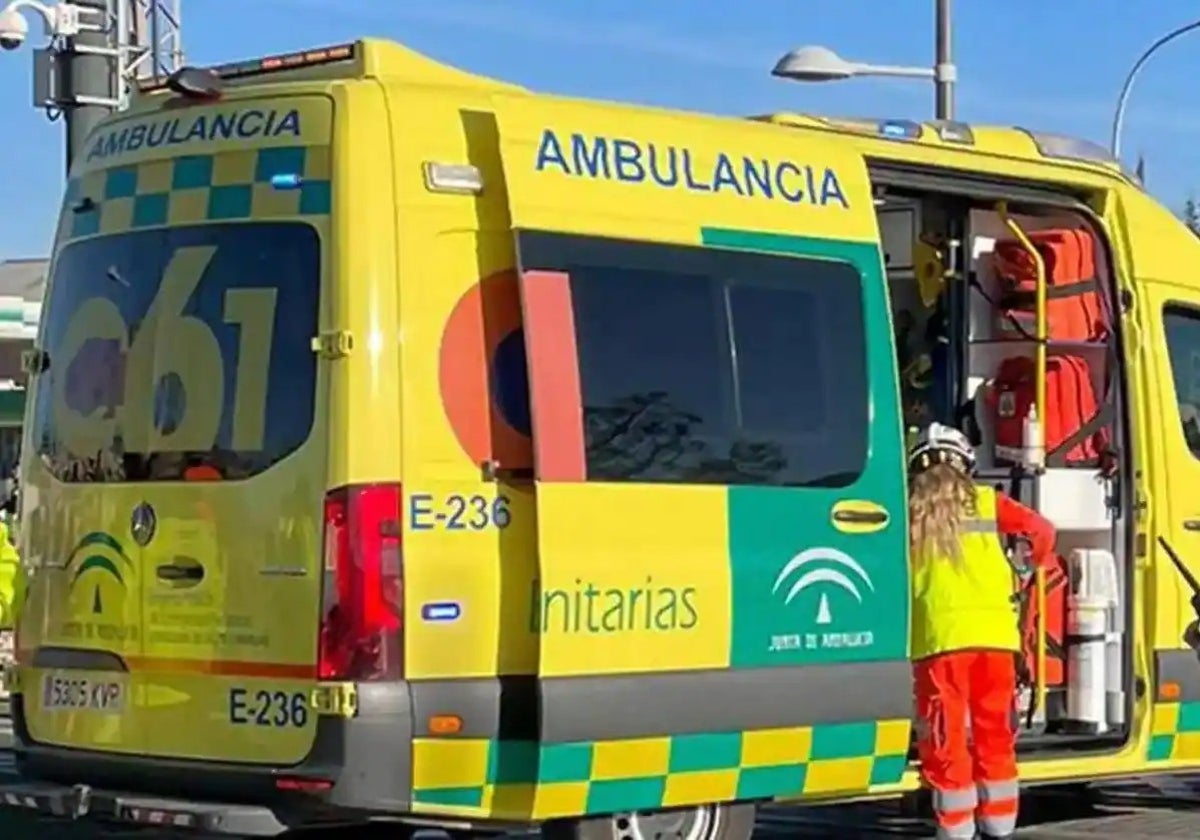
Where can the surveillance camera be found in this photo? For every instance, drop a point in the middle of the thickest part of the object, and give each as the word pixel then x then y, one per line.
pixel 13 29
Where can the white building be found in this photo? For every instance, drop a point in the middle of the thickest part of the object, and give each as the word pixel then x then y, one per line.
pixel 22 284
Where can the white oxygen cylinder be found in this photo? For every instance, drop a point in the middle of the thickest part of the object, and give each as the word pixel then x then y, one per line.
pixel 1114 653
pixel 1114 669
pixel 1032 445
pixel 1093 597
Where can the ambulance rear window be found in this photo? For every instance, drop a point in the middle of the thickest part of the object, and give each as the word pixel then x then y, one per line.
pixel 179 348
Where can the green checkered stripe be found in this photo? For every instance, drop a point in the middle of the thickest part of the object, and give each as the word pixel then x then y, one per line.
pixel 1175 731
pixel 529 779
pixel 190 189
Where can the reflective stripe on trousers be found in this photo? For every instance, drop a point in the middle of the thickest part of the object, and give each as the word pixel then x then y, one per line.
pixel 955 813
pixel 998 802
pixel 964 830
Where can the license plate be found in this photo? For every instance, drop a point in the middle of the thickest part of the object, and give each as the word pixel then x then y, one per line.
pixel 64 692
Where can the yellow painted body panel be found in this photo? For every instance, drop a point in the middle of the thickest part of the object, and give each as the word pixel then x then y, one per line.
pixel 548 199
pixel 693 563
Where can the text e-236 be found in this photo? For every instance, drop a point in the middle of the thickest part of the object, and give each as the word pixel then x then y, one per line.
pixel 274 709
pixel 458 512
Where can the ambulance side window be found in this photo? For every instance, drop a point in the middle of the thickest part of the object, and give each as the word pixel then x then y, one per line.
pixel 708 366
pixel 1182 328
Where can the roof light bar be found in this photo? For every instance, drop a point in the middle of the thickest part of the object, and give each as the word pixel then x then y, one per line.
pixel 887 129
pixel 954 132
pixel 1064 147
pixel 900 129
pixel 273 63
pixel 855 126
pixel 195 83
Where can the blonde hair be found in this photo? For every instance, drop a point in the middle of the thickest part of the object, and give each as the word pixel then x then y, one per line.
pixel 939 498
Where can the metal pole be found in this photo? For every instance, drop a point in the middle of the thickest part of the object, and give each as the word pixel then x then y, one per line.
pixel 944 71
pixel 91 73
pixel 1119 115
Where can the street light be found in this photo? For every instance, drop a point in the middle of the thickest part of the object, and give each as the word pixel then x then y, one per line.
pixel 821 64
pixel 62 20
pixel 1119 115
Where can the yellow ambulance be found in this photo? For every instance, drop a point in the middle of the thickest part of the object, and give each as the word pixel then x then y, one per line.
pixel 405 445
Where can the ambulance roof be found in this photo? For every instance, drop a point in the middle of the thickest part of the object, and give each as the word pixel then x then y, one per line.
pixel 889 139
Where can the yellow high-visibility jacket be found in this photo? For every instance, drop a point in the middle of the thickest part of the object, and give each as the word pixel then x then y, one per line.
pixel 12 581
pixel 968 604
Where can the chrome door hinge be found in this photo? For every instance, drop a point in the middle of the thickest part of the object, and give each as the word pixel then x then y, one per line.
pixel 333 344
pixel 34 361
pixel 1141 508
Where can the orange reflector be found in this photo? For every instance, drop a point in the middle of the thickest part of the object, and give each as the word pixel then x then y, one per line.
pixel 445 724
pixel 1169 691
pixel 202 472
pixel 292 783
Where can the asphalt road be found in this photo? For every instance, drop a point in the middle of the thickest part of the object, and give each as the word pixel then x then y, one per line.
pixel 1128 823
pixel 1130 812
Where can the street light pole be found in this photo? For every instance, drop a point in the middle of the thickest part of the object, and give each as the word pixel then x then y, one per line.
pixel 943 64
pixel 1123 99
pixel 98 50
pixel 89 80
pixel 821 64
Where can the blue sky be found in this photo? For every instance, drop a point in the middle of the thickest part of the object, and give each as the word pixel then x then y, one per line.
pixel 1054 66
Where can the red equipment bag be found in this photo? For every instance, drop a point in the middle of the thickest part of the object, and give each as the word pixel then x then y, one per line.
pixel 1055 625
pixel 1074 311
pixel 1074 427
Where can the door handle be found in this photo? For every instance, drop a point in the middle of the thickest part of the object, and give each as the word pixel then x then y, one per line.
pixel 857 516
pixel 860 517
pixel 182 571
pixel 1191 524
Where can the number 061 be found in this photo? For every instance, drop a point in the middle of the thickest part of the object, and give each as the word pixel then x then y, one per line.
pixel 170 343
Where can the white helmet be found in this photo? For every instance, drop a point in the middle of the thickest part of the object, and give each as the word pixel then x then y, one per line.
pixel 941 444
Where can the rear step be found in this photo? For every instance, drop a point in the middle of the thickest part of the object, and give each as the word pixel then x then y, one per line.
pixel 84 803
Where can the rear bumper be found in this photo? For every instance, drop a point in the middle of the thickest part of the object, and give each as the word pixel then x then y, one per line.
pixel 367 758
pixel 83 803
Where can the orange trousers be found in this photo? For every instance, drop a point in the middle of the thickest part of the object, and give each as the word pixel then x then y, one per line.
pixel 966 740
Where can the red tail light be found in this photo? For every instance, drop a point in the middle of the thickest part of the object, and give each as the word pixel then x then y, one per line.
pixel 299 785
pixel 362 627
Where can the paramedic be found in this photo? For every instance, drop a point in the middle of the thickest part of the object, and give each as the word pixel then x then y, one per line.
pixel 965 635
pixel 12 581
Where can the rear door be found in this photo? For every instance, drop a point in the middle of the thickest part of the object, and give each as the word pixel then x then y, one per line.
pixel 180 436
pixel 721 512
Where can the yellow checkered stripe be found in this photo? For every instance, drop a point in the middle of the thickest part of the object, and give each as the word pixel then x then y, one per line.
pixel 277 182
pixel 525 779
pixel 1175 732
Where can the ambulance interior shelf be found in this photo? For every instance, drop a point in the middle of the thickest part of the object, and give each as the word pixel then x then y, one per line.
pixel 1037 323
pixel 1060 438
pixel 983 312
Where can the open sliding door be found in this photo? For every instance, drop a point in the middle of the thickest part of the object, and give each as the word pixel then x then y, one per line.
pixel 718 456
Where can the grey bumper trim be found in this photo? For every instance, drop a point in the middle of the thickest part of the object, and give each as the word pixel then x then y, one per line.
pixel 81 803
pixel 613 707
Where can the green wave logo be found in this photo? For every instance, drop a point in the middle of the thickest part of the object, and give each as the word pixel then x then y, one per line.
pixel 102 552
